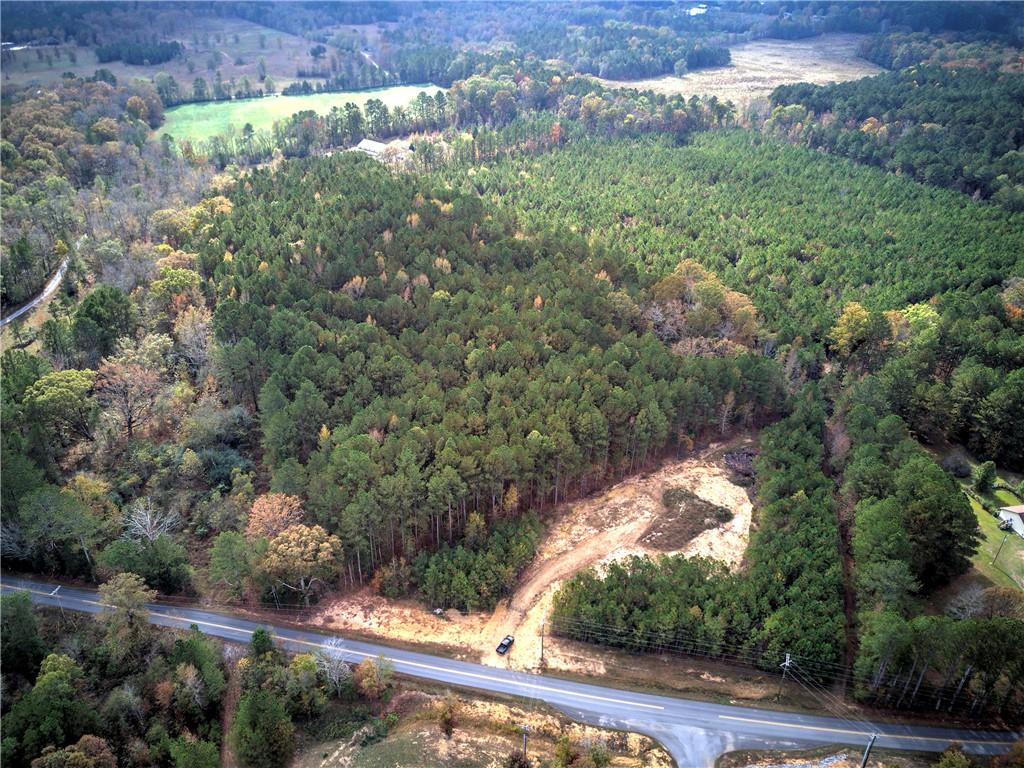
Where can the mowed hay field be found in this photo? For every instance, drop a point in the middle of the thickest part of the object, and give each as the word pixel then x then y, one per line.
pixel 760 66
pixel 197 122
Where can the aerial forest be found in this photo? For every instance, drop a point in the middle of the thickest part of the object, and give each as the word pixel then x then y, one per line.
pixel 276 370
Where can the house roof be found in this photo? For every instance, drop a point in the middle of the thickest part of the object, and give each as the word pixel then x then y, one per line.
pixel 369 145
pixel 1015 510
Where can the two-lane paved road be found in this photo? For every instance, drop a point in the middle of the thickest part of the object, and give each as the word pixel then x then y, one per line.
pixel 695 732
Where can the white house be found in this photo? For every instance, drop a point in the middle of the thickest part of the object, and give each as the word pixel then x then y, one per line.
pixel 1015 517
pixel 396 151
pixel 371 147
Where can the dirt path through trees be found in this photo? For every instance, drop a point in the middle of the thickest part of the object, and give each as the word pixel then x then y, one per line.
pixel 627 519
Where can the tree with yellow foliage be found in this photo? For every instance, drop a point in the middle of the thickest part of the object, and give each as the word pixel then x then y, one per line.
pixel 301 559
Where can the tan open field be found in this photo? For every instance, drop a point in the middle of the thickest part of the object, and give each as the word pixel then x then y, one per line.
pixel 213 40
pixel 629 518
pixel 760 66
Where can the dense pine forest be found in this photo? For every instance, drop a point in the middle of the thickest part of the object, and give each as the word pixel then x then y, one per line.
pixel 958 128
pixel 277 373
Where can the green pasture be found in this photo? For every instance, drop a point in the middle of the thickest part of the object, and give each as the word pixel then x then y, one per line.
pixel 198 122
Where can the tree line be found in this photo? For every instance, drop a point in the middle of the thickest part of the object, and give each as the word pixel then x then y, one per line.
pixel 109 690
pixel 139 52
pixel 116 690
pixel 985 50
pixel 522 106
pixel 913 531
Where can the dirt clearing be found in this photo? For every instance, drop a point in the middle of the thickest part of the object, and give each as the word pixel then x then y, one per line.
pixel 630 518
pixel 759 66
pixel 485 732
pixel 822 757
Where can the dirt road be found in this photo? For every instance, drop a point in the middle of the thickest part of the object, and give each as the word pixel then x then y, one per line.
pixel 627 519
pixel 624 521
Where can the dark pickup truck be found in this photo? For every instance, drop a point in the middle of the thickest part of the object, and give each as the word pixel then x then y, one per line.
pixel 504 645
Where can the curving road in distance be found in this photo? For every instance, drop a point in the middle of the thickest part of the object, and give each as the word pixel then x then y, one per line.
pixel 51 285
pixel 695 732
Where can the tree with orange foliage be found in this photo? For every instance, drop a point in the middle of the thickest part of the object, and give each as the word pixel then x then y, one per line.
pixel 373 677
pixel 271 513
pixel 556 133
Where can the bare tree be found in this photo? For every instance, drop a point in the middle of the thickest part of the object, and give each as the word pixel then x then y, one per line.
pixel 968 604
pixel 332 667
pixel 13 543
pixel 193 329
pixel 145 520
pixel 130 390
pixel 725 411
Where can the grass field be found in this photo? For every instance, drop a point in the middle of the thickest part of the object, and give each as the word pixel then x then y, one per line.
pixel 759 66
pixel 207 39
pixel 1008 569
pixel 196 122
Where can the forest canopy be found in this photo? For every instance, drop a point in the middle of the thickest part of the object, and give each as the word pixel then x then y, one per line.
pixel 959 128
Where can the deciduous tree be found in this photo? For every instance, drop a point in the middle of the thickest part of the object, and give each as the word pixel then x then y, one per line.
pixel 301 559
pixel 125 615
pixel 63 401
pixel 272 513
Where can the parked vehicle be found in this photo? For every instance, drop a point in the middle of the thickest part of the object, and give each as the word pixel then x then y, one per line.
pixel 504 645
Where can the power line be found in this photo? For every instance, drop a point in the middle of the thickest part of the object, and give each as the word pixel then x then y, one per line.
pixel 637 640
pixel 829 702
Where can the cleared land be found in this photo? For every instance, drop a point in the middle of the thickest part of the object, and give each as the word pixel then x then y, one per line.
pixel 822 757
pixel 629 518
pixel 207 39
pixel 198 122
pixel 486 731
pixel 760 66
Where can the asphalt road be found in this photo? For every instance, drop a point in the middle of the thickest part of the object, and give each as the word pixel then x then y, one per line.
pixel 695 732
pixel 52 284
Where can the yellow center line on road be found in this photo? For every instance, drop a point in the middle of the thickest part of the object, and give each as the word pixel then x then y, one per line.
pixel 419 665
pixel 848 732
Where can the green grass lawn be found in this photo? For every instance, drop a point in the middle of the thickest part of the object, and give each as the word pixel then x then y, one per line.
pixel 1008 570
pixel 197 122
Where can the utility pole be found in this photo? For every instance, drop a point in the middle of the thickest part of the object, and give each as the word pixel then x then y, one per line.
pixel 867 751
pixel 526 730
pixel 1005 537
pixel 785 669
